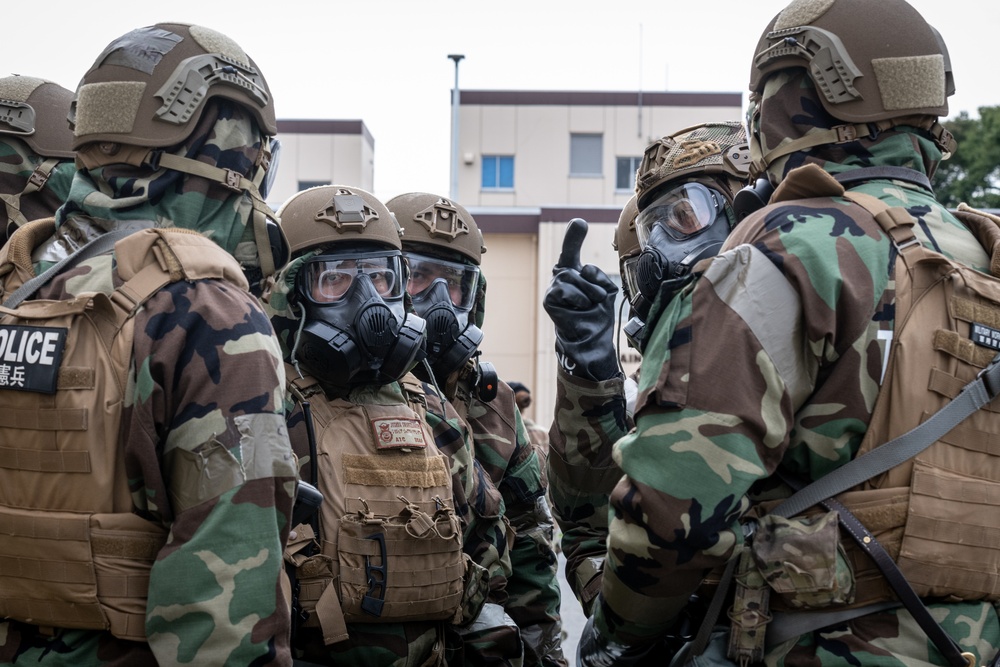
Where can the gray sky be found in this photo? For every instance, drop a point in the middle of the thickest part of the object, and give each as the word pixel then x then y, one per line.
pixel 385 61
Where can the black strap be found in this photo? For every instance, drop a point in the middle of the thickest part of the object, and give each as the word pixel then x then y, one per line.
pixel 894 173
pixel 944 643
pixel 98 246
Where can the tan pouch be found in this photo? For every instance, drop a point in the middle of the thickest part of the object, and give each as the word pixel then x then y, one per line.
pixel 407 567
pixel 802 560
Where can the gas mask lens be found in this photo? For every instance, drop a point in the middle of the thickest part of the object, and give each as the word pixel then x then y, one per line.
pixel 329 277
pixel 630 277
pixel 682 212
pixel 459 279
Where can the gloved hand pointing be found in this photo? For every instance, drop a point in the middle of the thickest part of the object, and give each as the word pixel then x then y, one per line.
pixel 580 302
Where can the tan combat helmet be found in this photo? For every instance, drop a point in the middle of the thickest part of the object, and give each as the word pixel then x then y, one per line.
pixel 149 87
pixel 716 153
pixel 34 110
pixel 432 220
pixel 875 65
pixel 869 60
pixel 330 215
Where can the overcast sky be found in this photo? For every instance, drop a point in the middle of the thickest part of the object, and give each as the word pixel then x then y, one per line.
pixel 386 61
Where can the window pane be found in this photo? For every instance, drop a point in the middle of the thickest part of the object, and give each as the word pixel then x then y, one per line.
pixel 585 154
pixel 625 168
pixel 489 171
pixel 506 172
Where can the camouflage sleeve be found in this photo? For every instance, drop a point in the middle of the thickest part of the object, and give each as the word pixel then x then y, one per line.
pixel 738 363
pixel 206 401
pixel 589 418
pixel 478 503
pixel 533 586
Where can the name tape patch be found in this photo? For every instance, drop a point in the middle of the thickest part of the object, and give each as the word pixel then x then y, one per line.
pixel 985 336
pixel 398 432
pixel 30 357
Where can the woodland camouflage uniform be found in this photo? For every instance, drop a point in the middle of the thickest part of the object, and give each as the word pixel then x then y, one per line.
pixel 501 449
pixel 773 359
pixel 204 393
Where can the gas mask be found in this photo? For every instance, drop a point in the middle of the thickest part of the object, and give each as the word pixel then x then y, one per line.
pixel 443 294
pixel 356 330
pixel 676 230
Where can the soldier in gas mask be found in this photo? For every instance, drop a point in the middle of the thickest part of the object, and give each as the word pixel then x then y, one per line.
pixel 681 212
pixel 384 574
pixel 443 246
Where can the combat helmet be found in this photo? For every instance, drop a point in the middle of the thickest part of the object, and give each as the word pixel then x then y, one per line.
pixel 716 152
pixel 329 215
pixel 150 86
pixel 874 65
pixel 145 95
pixel 35 110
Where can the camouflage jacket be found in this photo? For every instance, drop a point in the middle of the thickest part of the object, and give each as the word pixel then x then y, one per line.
pixel 589 418
pixel 538 436
pixel 207 456
pixel 772 357
pixel 503 451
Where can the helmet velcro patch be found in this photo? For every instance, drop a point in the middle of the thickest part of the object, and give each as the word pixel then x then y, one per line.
pixel 911 83
pixel 107 107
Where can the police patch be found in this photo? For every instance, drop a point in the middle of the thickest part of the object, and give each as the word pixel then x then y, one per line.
pixel 30 357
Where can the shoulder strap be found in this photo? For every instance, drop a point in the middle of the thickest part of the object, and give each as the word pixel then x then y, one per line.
pixel 102 244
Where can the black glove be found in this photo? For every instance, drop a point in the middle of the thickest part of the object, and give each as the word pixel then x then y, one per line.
pixel 580 302
pixel 596 650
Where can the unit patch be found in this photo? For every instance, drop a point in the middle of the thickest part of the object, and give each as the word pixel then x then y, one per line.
pixel 985 336
pixel 30 357
pixel 398 433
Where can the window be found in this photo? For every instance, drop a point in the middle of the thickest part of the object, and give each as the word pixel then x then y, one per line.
pixel 498 172
pixel 585 154
pixel 305 185
pixel 625 168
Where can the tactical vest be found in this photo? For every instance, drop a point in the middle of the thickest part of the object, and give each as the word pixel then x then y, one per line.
pixel 390 544
pixel 937 514
pixel 72 552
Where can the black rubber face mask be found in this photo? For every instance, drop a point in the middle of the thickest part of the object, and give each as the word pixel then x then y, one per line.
pixel 357 331
pixel 676 230
pixel 443 294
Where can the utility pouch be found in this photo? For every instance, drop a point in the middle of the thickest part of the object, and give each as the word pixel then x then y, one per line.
pixel 803 561
pixel 405 567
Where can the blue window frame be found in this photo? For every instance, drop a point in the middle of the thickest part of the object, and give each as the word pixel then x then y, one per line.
pixel 498 172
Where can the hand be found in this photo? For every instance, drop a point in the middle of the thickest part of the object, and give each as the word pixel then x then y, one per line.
pixel 596 650
pixel 580 302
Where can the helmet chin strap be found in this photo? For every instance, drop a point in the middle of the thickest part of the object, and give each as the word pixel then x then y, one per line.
pixel 841 134
pixel 235 182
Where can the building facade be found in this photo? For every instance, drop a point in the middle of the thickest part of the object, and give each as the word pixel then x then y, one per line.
pixel 528 163
pixel 315 152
